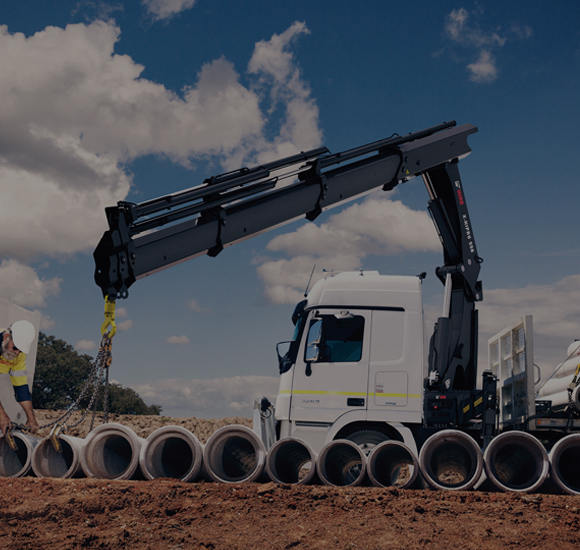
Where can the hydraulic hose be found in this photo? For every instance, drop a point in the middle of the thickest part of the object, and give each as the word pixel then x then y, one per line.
pixel 171 451
pixel 341 463
pixel 516 461
pixel 291 461
pixel 392 464
pixel 451 460
pixel 234 454
pixel 47 462
pixel 111 451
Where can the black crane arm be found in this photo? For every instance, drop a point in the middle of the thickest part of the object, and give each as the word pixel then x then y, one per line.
pixel 232 207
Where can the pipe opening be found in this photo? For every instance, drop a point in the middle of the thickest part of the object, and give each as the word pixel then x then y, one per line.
pixel 516 466
pixel 294 464
pixel 54 464
pixel 452 464
pixel 235 459
pixel 234 454
pixel 392 466
pixel 568 469
pixel 172 458
pixel 13 462
pixel 343 465
pixel 112 456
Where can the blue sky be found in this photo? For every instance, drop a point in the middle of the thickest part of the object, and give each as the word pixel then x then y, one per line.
pixel 108 101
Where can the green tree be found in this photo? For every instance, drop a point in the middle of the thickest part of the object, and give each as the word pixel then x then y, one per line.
pixel 61 374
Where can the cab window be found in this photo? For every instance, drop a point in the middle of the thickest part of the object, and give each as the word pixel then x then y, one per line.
pixel 335 338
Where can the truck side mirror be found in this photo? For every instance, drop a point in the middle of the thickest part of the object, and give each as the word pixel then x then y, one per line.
pixel 284 361
pixel 312 353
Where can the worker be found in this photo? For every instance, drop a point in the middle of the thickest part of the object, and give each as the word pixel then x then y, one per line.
pixel 15 344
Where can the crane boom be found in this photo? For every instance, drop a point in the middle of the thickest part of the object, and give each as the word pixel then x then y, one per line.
pixel 232 207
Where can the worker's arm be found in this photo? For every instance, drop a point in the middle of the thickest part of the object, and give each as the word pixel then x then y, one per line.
pixel 4 420
pixel 30 418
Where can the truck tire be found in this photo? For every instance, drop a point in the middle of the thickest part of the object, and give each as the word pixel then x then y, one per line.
pixel 367 440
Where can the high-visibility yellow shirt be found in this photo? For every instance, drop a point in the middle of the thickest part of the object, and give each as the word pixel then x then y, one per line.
pixel 17 371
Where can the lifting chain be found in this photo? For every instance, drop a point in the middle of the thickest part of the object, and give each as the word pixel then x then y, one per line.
pixel 100 370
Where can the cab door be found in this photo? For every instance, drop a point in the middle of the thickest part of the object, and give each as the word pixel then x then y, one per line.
pixel 331 370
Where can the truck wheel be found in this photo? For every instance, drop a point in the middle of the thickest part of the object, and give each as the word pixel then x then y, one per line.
pixel 367 440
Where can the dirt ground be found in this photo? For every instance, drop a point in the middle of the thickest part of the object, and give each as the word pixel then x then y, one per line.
pixel 101 514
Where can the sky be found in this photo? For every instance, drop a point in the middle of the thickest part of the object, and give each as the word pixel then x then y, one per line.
pixel 107 101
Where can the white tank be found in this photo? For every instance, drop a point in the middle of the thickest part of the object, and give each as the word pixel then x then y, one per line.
pixel 556 388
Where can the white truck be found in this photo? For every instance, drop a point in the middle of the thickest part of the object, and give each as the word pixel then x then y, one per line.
pixel 357 365
pixel 358 368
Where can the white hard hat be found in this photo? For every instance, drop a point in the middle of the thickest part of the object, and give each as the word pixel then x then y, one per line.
pixel 23 334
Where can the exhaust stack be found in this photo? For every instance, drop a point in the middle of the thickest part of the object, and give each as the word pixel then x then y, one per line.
pixel 341 463
pixel 171 451
pixel 451 460
pixel 291 461
pixel 46 462
pixel 234 454
pixel 564 460
pixel 516 461
pixel 111 451
pixel 17 463
pixel 392 464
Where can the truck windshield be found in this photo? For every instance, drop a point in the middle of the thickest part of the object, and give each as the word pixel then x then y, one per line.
pixel 335 339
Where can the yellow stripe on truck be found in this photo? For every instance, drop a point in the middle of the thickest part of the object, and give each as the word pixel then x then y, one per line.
pixel 315 392
pixel 358 394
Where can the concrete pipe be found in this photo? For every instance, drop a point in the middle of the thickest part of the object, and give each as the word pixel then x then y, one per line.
pixel 564 461
pixel 111 451
pixel 291 461
pixel 392 464
pixel 451 460
pixel 171 451
pixel 46 462
pixel 17 463
pixel 234 454
pixel 516 461
pixel 341 463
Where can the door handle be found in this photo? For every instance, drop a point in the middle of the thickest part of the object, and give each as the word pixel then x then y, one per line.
pixel 355 402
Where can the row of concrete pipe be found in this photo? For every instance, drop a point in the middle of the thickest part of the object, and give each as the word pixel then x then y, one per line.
pixel 448 460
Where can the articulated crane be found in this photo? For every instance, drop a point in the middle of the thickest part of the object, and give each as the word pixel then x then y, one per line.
pixel 360 391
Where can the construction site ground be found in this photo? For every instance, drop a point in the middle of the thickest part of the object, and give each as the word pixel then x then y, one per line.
pixel 169 514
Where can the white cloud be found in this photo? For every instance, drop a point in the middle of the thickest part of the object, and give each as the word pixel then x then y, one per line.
pixel 280 78
pixel 164 9
pixel 484 69
pixel 214 398
pixel 460 30
pixel 556 317
pixel 177 340
pixel 125 325
pixel 378 225
pixel 194 305
pixel 22 286
pixel 463 28
pixel 85 345
pixel 121 312
pixel 73 113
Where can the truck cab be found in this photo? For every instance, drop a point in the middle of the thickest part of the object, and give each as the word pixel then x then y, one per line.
pixel 356 362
